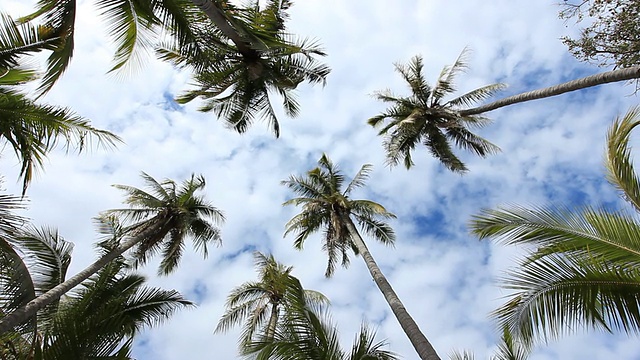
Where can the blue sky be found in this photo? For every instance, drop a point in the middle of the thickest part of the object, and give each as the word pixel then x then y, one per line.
pixel 552 153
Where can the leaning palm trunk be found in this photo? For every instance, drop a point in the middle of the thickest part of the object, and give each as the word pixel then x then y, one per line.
pixel 215 14
pixel 583 83
pixel 31 308
pixel 418 340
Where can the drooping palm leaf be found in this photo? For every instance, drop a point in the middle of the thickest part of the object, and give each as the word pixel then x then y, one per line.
pixel 33 130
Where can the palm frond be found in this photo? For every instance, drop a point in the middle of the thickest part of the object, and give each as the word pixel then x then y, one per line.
pixel 365 348
pixel 34 129
pixel 590 232
pixel 130 26
pixel 601 295
pixel 471 98
pixel 21 39
pixel 359 179
pixel 620 170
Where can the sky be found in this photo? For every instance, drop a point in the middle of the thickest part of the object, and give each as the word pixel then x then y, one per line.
pixel 552 153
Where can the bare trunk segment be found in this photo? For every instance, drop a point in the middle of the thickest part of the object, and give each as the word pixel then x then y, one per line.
pixel 583 83
pixel 423 347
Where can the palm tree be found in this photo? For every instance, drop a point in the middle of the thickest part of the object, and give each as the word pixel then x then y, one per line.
pixel 256 300
pixel 243 41
pixel 584 268
pixel 509 348
pixel 236 84
pixel 424 118
pixel 305 332
pixel 132 26
pixel 32 129
pixel 160 220
pixel 32 261
pixel 326 207
pixel 98 321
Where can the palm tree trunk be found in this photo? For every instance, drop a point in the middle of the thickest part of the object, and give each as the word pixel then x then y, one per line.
pixel 218 17
pixel 273 320
pixel 583 83
pixel 418 340
pixel 22 314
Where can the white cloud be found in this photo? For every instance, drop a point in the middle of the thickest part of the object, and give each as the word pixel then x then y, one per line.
pixel 552 149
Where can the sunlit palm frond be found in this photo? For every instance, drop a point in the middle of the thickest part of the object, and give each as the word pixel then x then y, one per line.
pixel 467 140
pixel 444 85
pixel 510 348
pixel 303 225
pixel 464 355
pixel 16 285
pixel 620 170
pixel 258 304
pixel 235 84
pixel 557 294
pixel 21 39
pixel 48 256
pixel 590 232
pixel 438 145
pixel 100 319
pixel 473 97
pixel 364 347
pixel 307 333
pixel 378 230
pixel 129 24
pixel 58 21
pixel 326 207
pixel 359 179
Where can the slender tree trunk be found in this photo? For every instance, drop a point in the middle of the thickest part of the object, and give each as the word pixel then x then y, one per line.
pixel 418 340
pixel 22 314
pixel 585 82
pixel 273 321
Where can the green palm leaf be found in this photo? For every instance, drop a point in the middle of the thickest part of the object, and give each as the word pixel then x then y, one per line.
pixel 582 270
pixel 620 171
pixel 33 130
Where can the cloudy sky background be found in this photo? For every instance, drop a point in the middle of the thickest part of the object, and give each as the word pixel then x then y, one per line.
pixel 552 152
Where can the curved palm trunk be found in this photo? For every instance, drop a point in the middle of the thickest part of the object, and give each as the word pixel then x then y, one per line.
pixel 583 83
pixel 31 308
pixel 217 17
pixel 418 340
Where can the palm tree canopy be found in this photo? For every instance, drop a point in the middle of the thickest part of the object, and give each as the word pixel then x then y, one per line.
pixel 306 333
pixel 427 117
pixel 236 84
pixel 97 321
pixel 165 216
pixel 583 269
pixel 509 348
pixel 33 129
pixel 253 301
pixel 133 27
pixel 325 205
pixel 32 261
